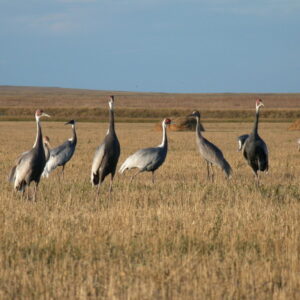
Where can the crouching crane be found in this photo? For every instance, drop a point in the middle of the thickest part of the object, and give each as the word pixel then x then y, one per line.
pixel 30 165
pixel 148 159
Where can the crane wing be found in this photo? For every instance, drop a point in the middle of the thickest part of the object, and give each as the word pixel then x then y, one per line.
pixel 12 173
pixel 97 161
pixel 58 157
pixel 144 159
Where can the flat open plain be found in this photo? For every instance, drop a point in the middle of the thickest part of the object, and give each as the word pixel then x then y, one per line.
pixel 182 238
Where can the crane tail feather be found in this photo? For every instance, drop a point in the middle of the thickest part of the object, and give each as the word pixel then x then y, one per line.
pixel 227 168
pixel 95 178
pixel 123 167
pixel 12 174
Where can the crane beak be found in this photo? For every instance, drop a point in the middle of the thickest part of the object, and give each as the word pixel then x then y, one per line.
pixel 67 123
pixel 46 115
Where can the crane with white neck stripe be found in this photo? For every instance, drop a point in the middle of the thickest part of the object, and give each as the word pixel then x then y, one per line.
pixel 30 165
pixel 148 159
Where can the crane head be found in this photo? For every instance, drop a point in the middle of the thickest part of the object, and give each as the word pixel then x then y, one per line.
pixel 40 113
pixel 46 140
pixel 258 103
pixel 71 122
pixel 195 114
pixel 167 121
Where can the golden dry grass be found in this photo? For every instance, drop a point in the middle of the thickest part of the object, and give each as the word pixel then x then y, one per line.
pixel 19 103
pixel 183 238
pixel 15 96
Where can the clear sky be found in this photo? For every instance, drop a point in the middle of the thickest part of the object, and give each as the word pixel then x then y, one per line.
pixel 152 45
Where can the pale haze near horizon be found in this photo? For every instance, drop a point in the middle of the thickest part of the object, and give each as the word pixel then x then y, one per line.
pixel 153 46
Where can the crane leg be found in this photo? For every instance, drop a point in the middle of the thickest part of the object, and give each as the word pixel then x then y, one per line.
pixel 207 165
pixel 62 171
pixel 153 177
pixel 35 191
pixel 212 172
pixel 111 183
pixel 256 178
pixel 98 188
pixel 139 171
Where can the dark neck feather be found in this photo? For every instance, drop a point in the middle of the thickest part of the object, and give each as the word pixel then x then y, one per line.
pixel 255 125
pixel 111 121
pixel 74 138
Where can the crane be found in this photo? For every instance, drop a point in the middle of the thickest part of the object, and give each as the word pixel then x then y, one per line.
pixel 30 165
pixel 210 152
pixel 107 154
pixel 148 159
pixel 241 141
pixel 255 150
pixel 60 155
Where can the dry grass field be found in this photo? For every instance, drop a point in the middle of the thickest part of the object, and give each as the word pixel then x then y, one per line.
pixel 19 103
pixel 182 238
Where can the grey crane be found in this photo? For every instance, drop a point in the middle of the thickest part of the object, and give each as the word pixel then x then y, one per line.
pixel 12 173
pixel 107 154
pixel 60 155
pixel 30 165
pixel 210 152
pixel 241 141
pixel 255 150
pixel 148 159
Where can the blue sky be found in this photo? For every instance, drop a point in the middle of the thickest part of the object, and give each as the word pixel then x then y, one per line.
pixel 152 45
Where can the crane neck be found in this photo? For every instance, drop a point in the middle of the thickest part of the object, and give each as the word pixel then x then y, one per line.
pixel 111 128
pixel 198 129
pixel 74 137
pixel 164 142
pixel 255 125
pixel 39 137
pixel 47 150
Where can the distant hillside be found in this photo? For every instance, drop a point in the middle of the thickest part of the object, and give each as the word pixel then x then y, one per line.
pixel 20 102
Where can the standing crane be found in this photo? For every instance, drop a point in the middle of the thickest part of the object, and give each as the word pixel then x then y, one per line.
pixel 255 150
pixel 210 152
pixel 107 154
pixel 148 159
pixel 30 165
pixel 60 155
pixel 241 141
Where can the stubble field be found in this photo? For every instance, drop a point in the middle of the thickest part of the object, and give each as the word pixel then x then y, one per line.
pixel 182 238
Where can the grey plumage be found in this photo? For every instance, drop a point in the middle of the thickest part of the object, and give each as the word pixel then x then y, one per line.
pixel 210 152
pixel 148 159
pixel 60 155
pixel 30 164
pixel 107 154
pixel 241 141
pixel 255 150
